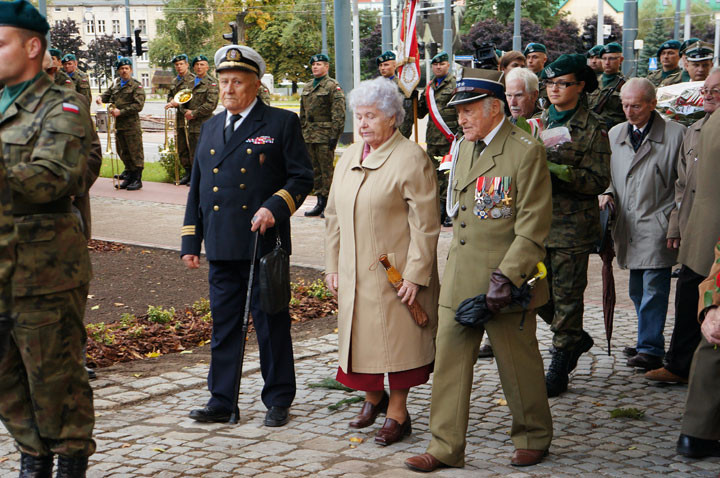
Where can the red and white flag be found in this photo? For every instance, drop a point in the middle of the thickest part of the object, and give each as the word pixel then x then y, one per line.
pixel 409 58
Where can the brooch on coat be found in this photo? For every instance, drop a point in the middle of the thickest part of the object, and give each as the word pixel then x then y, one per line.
pixel 261 140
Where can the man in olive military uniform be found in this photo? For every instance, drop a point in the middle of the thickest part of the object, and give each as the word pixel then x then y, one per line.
pixel 595 60
pixel 45 131
pixel 698 60
pixel 61 78
pixel 668 56
pixel 535 59
pixel 198 110
pixel 79 78
pixel 322 117
pixel 580 170
pixel 605 100
pixel 126 99
pixel 185 80
pixel 8 241
pixel 387 67
pixel 442 125
pixel 685 77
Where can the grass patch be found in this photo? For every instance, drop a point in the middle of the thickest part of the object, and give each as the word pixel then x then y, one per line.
pixel 153 172
pixel 633 413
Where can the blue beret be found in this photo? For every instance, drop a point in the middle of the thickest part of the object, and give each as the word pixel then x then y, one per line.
pixel 534 48
pixel 669 45
pixel 122 61
pixel 613 47
pixel 477 84
pixel 21 14
pixel 440 57
pixel 69 57
pixel 319 57
pixel 180 57
pixel 386 56
pixel 55 52
pixel 199 58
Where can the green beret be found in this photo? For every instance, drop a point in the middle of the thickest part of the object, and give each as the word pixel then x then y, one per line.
pixel 319 57
pixel 180 57
pixel 386 56
pixel 534 48
pixel 611 48
pixel 122 61
pixel 687 43
pixel 69 57
pixel 199 58
pixel 574 63
pixel 595 51
pixel 669 45
pixel 21 14
pixel 55 52
pixel 440 57
pixel 699 51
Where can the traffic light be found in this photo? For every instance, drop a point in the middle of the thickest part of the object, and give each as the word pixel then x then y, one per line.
pixel 126 48
pixel 421 50
pixel 139 48
pixel 588 38
pixel 432 50
pixel 232 37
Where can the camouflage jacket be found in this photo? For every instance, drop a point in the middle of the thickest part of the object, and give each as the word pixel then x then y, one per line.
pixel 129 99
pixel 62 79
pixel 576 215
pixel 406 128
pixel 322 111
pixel 203 102
pixel 264 94
pixel 186 82
pixel 8 241
pixel 611 112
pixel 656 78
pixel 81 83
pixel 443 93
pixel 46 137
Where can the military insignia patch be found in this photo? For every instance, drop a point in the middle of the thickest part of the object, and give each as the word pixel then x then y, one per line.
pixel 71 108
pixel 261 140
pixel 232 54
pixel 549 72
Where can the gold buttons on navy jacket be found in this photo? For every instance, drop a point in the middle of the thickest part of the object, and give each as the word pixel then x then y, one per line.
pixel 248 151
pixel 216 208
pixel 212 151
pixel 244 207
pixel 215 170
pixel 216 189
pixel 242 186
pixel 243 170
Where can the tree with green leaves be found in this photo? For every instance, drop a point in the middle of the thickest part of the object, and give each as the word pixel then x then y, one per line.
pixel 102 55
pixel 652 42
pixel 65 36
pixel 541 12
pixel 186 28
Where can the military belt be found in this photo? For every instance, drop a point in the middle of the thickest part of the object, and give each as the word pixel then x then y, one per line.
pixel 60 206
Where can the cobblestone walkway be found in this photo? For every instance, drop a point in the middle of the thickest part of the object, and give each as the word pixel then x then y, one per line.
pixel 142 427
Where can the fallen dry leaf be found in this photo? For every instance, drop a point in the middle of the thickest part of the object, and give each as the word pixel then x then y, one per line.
pixel 502 401
pixel 356 440
pixel 118 304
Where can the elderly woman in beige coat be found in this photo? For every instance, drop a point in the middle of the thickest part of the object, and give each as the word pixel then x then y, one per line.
pixel 383 200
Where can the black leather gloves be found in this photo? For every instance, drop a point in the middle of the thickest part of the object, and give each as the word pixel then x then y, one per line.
pixel 499 293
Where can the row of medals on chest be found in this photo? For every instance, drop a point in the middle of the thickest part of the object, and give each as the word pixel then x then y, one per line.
pixel 492 197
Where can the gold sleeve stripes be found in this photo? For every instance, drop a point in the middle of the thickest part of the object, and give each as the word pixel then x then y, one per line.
pixel 188 231
pixel 288 199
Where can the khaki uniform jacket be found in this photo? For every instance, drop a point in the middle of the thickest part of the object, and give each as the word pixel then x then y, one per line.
pixel 514 245
pixel 644 193
pixel 186 82
pixel 386 205
pixel 710 288
pixel 203 103
pixel 129 99
pixel 685 183
pixel 656 78
pixel 322 111
pixel 443 93
pixel 704 221
pixel 81 83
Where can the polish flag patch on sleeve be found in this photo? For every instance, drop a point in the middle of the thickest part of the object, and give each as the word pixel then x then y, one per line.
pixel 71 108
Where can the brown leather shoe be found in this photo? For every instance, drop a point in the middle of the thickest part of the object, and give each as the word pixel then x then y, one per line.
pixel 392 431
pixel 369 412
pixel 425 463
pixel 664 375
pixel 527 457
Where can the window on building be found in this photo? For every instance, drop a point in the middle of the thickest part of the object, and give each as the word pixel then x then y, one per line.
pixel 90 26
pixel 132 25
pixel 114 9
pixel 101 26
pixel 145 78
pixel 71 9
pixel 144 56
pixel 142 24
pixel 58 9
pixel 116 27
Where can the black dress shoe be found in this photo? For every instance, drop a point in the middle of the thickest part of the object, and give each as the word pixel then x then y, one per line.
pixel 184 180
pixel 447 222
pixel 645 361
pixel 91 373
pixel 277 416
pixel 630 351
pixel 485 351
pixel 697 447
pixel 210 415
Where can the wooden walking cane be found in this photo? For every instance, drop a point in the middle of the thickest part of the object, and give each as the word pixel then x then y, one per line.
pixel 243 334
pixel 418 314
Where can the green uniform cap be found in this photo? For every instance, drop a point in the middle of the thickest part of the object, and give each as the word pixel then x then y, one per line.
pixel 319 57
pixel 180 57
pixel 611 48
pixel 699 51
pixel 69 57
pixel 21 14
pixel 55 52
pixel 122 62
pixel 574 63
pixel 534 48
pixel 669 45
pixel 440 57
pixel 199 58
pixel 386 56
pixel 595 51
pixel 687 43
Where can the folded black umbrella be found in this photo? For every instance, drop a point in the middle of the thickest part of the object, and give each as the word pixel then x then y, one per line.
pixel 474 312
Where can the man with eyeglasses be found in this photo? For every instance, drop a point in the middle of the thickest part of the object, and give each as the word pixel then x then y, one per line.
pixel 668 56
pixel 686 332
pixel 605 100
pixel 580 171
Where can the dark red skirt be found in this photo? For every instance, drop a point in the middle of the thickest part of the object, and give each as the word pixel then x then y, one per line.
pixel 375 382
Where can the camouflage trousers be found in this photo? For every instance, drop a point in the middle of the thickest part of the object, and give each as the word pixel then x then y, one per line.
pixel 436 151
pixel 46 402
pixel 129 146
pixel 186 147
pixel 567 277
pixel 322 161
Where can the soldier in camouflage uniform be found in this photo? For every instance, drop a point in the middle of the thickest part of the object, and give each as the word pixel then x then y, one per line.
pixel 79 78
pixel 668 56
pixel 594 56
pixel 127 98
pixel 322 118
pixel 387 67
pixel 605 100
pixel 185 80
pixel 535 59
pixel 61 78
pixel 45 397
pixel 438 145
pixel 264 94
pixel 580 170
pixel 7 260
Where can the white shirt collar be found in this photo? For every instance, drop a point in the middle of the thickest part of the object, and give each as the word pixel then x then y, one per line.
pixel 493 132
pixel 244 113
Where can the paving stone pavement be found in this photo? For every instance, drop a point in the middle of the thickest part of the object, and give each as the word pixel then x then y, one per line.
pixel 142 429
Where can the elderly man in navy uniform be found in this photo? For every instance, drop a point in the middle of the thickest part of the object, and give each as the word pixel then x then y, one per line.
pixel 251 172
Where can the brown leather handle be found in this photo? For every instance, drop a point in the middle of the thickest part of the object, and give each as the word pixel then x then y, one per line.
pixel 416 311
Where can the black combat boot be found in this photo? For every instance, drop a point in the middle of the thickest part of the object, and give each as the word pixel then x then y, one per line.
pixel 35 466
pixel 136 182
pixel 556 379
pixel 185 180
pixel 122 175
pixel 125 181
pixel 585 344
pixel 319 207
pixel 71 466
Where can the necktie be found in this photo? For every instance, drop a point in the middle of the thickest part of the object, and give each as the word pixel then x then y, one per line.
pixel 477 150
pixel 637 137
pixel 230 128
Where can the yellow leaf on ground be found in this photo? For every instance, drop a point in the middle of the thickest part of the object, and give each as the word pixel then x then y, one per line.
pixel 159 449
pixel 90 296
pixel 137 375
pixel 118 304
pixel 356 440
pixel 95 307
pixel 186 352
pixel 125 445
pixel 153 354
pixel 4 459
pixel 502 401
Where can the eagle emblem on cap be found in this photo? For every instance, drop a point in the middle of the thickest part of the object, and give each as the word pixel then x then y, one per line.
pixel 549 72
pixel 232 54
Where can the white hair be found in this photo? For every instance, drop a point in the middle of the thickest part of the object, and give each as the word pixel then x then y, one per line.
pixel 381 93
pixel 641 84
pixel 528 77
